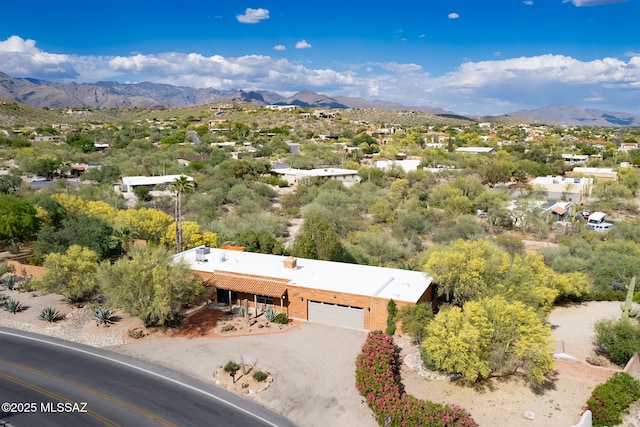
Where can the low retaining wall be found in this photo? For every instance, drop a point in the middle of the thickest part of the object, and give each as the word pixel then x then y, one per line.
pixel 584 372
pixel 633 366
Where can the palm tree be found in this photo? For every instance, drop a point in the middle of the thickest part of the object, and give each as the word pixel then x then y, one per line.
pixel 182 184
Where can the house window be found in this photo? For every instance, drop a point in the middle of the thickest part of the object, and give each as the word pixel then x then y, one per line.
pixel 264 300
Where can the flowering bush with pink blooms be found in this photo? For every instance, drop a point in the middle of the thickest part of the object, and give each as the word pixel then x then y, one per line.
pixel 378 380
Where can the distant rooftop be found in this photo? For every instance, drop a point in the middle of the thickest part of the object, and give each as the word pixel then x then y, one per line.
pixel 315 172
pixel 389 283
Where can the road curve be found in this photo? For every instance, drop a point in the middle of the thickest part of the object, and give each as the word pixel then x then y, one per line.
pixel 50 382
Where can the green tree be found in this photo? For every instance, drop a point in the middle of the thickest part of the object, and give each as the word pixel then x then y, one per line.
pixel 414 319
pixel 18 219
pixel 87 231
pixel 471 270
pixel 9 183
pixel 181 185
pixel 497 171
pixel 317 240
pixel 149 284
pixel 72 274
pixel 490 336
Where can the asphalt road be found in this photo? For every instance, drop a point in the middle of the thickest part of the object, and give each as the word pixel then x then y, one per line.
pixel 50 382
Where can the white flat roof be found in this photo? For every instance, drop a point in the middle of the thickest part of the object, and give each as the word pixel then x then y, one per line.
pixel 382 282
pixel 475 149
pixel 132 181
pixel 547 180
pixel 315 172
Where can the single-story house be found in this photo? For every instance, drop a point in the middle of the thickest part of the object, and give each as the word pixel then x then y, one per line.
pixel 476 150
pixel 573 159
pixel 294 176
pixel 605 174
pixel 345 295
pixel 563 188
pixel 406 165
pixel 152 182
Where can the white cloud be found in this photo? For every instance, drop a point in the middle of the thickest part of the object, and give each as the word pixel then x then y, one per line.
pixel 528 2
pixel 253 16
pixel 280 47
pixel 497 53
pixel 453 15
pixel 302 44
pixel 581 3
pixel 21 58
pixel 494 86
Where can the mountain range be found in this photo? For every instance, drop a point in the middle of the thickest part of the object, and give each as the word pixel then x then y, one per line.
pixel 40 93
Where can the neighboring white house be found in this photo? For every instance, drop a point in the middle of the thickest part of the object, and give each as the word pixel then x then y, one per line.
pixel 406 165
pixel 152 182
pixel 294 176
pixel 476 150
pixel 563 188
pixel 573 159
pixel 605 174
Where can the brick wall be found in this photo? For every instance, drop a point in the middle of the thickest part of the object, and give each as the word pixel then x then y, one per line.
pixel 584 372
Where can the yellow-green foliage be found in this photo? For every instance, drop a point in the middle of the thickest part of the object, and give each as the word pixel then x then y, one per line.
pixel 490 335
pixel 470 270
pixel 192 236
pixel 72 274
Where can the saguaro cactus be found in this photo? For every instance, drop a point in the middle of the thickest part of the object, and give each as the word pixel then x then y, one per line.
pixel 627 306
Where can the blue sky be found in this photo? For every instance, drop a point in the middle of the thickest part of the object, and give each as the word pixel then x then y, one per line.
pixel 468 56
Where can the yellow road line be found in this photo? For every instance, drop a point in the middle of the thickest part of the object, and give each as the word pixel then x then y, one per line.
pixel 94 392
pixel 55 396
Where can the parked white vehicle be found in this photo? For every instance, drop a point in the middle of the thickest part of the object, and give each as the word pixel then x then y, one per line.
pixel 600 227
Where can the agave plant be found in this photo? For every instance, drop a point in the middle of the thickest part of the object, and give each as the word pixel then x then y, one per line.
pixel 13 306
pixel 103 315
pixel 270 314
pixel 9 282
pixel 49 314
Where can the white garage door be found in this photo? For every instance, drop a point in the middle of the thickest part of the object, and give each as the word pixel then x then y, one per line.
pixel 336 315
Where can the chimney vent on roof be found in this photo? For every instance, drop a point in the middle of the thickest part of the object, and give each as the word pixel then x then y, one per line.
pixel 291 263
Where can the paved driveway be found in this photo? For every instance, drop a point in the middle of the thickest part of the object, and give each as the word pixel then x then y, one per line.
pixel 313 368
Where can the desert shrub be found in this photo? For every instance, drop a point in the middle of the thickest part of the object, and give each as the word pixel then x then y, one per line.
pixel 6 268
pixel 49 314
pixel 28 285
pixel 392 312
pixel 228 327
pixel 619 339
pixel 136 334
pixel 13 306
pixel 609 400
pixel 274 180
pixel 260 375
pixel 231 366
pixel 281 318
pixel 142 193
pixel 414 319
pixel 378 380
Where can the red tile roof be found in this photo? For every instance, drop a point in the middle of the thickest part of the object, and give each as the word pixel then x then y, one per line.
pixel 257 285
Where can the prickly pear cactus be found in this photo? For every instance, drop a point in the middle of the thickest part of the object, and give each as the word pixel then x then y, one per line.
pixel 627 306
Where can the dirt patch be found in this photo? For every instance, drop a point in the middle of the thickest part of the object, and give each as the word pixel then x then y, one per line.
pixel 211 322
